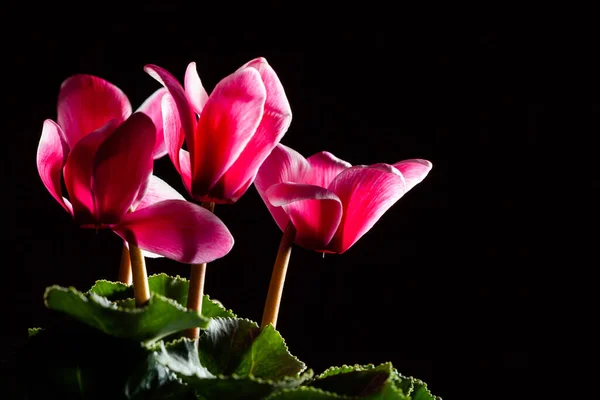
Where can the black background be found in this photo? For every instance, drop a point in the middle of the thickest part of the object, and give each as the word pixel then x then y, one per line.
pixel 441 286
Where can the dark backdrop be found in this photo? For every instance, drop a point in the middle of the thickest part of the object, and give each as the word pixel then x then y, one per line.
pixel 440 286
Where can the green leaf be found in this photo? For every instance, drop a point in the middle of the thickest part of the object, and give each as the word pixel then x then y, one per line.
pixel 415 388
pixel 181 357
pixel 365 382
pixel 111 290
pixel 236 346
pixel 244 362
pixel 388 392
pixel 33 331
pixel 237 387
pixel 421 392
pixel 157 319
pixel 175 288
pixel 306 393
pixel 159 375
pixel 223 343
pixel 268 357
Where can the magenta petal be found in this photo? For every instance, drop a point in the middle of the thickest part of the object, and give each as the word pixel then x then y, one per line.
pixel 275 122
pixel 366 193
pixel 184 109
pixel 282 165
pixel 78 173
pixel 152 108
pixel 173 132
pixel 226 125
pixel 324 168
pixel 174 138
pixel 185 169
pixel 51 157
pixel 177 229
pixel 158 190
pixel 413 171
pixel 122 165
pixel 315 212
pixel 86 103
pixel 196 94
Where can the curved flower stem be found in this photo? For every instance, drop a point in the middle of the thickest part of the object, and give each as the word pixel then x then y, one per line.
pixel 196 289
pixel 271 310
pixel 125 268
pixel 141 290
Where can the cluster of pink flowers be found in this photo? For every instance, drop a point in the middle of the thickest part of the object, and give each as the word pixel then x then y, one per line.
pixel 104 152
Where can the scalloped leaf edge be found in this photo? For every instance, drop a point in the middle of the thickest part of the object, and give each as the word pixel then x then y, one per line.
pixel 104 302
pixel 311 390
pixel 117 283
pixel 345 368
pixel 287 349
pixel 216 302
pixel 31 332
pixel 304 377
pixel 414 381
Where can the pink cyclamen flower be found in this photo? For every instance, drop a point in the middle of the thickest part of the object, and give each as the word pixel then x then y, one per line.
pixel 331 203
pixel 228 134
pixel 105 155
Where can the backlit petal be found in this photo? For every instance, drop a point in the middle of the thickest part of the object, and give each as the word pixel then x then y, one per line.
pixel 315 212
pixel 174 135
pixel 158 190
pixel 122 165
pixel 366 193
pixel 78 173
pixel 152 108
pixel 177 229
pixel 196 94
pixel 276 120
pixel 186 169
pixel 86 103
pixel 227 123
pixel 282 165
pixel 324 168
pixel 413 171
pixel 51 157
pixel 184 109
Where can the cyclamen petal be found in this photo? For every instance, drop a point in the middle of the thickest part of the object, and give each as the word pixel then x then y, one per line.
pixel 187 117
pixel 283 165
pixel 195 92
pixel 152 108
pixel 324 167
pixel 78 172
pixel 294 189
pixel 238 126
pixel 227 123
pixel 366 193
pixel 174 138
pixel 51 157
pixel 413 171
pixel 86 103
pixel 122 165
pixel 275 122
pixel 177 229
pixel 158 190
pixel 315 211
